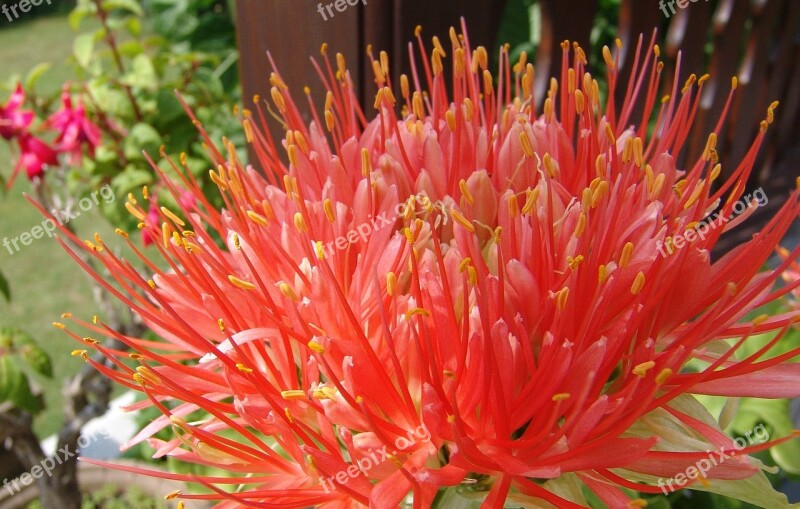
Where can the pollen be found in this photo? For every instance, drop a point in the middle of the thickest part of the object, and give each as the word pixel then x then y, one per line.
pixel 639 502
pixel 294 394
pixel 171 496
pixel 287 291
pixel 561 396
pixel 663 375
pixel 391 283
pixel 148 374
pixel 300 222
pixel 526 145
pixel 638 284
pixel 59 325
pixel 138 214
pixel 316 347
pixel 561 298
pixel 643 368
pixel 627 253
pixel 240 283
pixel 460 219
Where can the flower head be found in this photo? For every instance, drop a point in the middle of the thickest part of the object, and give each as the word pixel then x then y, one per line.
pixel 13 119
pixel 74 128
pixel 514 334
pixel 35 155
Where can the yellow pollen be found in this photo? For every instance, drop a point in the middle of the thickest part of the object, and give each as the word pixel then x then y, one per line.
pixel 638 152
pixel 165 234
pixel 366 164
pixel 612 140
pixel 291 150
pixel 548 109
pixel 760 319
pixel 703 79
pixel 215 178
pixel 513 206
pixel 404 88
pixel 451 418
pixel 319 250
pixel 450 117
pixel 287 291
pixel 132 199
pixel 561 396
pixel 462 184
pixel 627 252
pixel 294 394
pixel 460 219
pixel 734 83
pixel 598 193
pixel 66 315
pixel 277 98
pixel 139 379
pixel 391 283
pixel 580 102
pixel 417 311
pixel 488 86
pixel 171 496
pixel 257 218
pixel 151 284
pixel 172 216
pixel 561 298
pixel 359 399
pixel 135 356
pixel 526 145
pixel 78 353
pixel 340 63
pixel 607 57
pixel 689 82
pixel 468 109
pixel 602 274
pixel 94 319
pixel 300 222
pixel 639 502
pixel 574 262
pixel 324 393
pixel 550 165
pixel 695 196
pixel 59 325
pixel 638 283
pixel 138 214
pixel 715 172
pixel 221 325
pixel 657 50
pixel 581 226
pixel 148 374
pixel 121 233
pixel 627 150
pixel 643 368
pixel 240 283
pixel 90 341
pixel 472 275
pixel 316 347
pixel 436 63
pixel 531 196
pixel 711 144
pixel 329 121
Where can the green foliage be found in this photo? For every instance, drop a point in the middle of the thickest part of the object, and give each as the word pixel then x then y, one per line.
pixel 18 353
pixel 133 67
pixel 112 497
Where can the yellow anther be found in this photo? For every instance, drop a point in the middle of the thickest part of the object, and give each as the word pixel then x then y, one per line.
pixel 450 118
pixel 221 325
pixel 172 216
pixel 561 297
pixel 574 262
pixel 287 291
pixel 300 222
pixel 643 368
pixel 151 284
pixel 171 496
pixel 513 206
pixel 607 57
pixel 602 274
pixel 599 192
pixel 78 353
pixel 138 214
pixel 581 226
pixel 465 263
pixel 240 283
pixel 391 283
pixel 550 164
pixel 637 503
pixel 526 145
pixel 460 219
pixel 734 82
pixel 638 283
pixel 531 196
pixel 366 164
pixel 760 319
pixel 149 375
pixel 59 325
pixel 316 347
pixel 121 233
pixel 277 98
pixel 561 396
pixel 294 394
pixel 319 250
pixel 627 252
pixel 580 102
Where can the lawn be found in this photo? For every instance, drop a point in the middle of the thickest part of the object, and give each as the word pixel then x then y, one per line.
pixel 44 280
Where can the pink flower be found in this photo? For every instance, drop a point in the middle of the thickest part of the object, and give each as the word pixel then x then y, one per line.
pixel 13 120
pixel 74 128
pixel 150 223
pixel 35 154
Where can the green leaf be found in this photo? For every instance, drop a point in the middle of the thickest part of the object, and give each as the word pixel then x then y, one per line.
pixel 82 48
pixel 78 14
pixel 34 74
pixel 142 137
pixel 4 288
pixel 14 386
pixel 131 179
pixel 134 26
pixel 127 5
pixel 37 359
pixel 142 73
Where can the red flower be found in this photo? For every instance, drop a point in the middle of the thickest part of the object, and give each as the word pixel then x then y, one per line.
pixel 13 120
pixel 539 337
pixel 74 128
pixel 35 154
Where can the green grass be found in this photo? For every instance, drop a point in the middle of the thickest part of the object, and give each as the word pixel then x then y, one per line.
pixel 44 280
